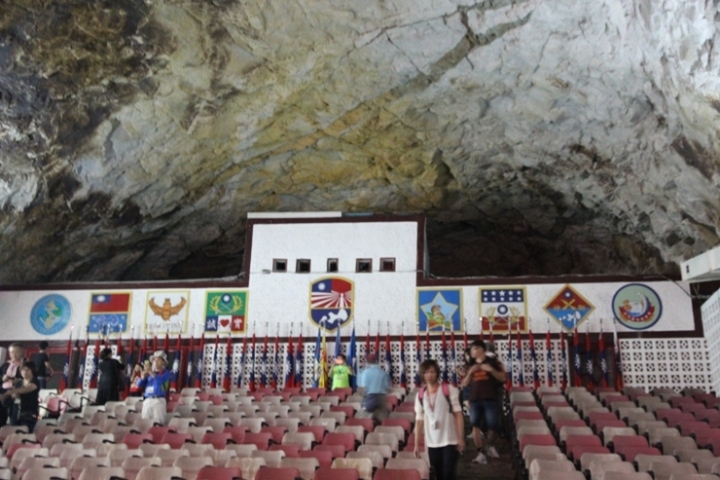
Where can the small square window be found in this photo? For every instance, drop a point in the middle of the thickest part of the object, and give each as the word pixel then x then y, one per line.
pixel 387 264
pixel 279 265
pixel 302 265
pixel 363 265
pixel 332 265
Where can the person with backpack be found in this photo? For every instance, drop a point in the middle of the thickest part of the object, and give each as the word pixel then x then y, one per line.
pixel 440 421
pixel 483 379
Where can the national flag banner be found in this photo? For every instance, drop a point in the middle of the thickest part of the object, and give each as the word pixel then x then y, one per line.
pixel 427 345
pixel 403 376
pixel 502 307
pixel 289 365
pixel 510 369
pixel 576 357
pixel 323 383
pixel 65 380
pixel 243 359
pixel 589 363
pixel 274 380
pixel 533 358
pixel 377 344
pixel 264 363
pixel 95 360
pixel 443 354
pixel 619 382
pixel 228 364
pixel 521 366
pixel 83 361
pixel 175 377
pixel 316 359
pixel 418 360
pixel 129 364
pixel 251 380
pixel 109 310
pixel 190 362
pixel 299 380
pixel 214 366
pixel 388 358
pixel 352 359
pixel 603 359
pixel 563 362
pixel 453 369
pixel 548 357
pixel 200 363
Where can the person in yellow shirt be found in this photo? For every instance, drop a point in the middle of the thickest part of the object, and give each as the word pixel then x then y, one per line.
pixel 340 373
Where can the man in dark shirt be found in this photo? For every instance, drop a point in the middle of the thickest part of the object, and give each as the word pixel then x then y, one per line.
pixel 485 409
pixel 43 369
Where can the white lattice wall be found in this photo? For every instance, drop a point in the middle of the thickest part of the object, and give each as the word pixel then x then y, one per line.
pixel 648 363
pixel 710 313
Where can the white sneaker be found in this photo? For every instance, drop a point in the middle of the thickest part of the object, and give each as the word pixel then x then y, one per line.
pixel 470 436
pixel 480 459
pixel 492 453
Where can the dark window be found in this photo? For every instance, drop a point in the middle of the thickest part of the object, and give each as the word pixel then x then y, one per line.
pixel 302 265
pixel 387 264
pixel 363 265
pixel 332 265
pixel 279 265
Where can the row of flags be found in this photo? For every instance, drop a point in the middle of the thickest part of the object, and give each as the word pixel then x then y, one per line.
pixel 289 372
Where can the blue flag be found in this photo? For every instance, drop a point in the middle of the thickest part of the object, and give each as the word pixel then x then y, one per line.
pixel 252 367
pixel 352 359
pixel 264 364
pixel 289 365
pixel 242 363
pixel 403 375
pixel 200 364
pixel 338 343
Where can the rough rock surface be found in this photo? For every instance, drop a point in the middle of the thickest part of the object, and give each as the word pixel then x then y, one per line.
pixel 540 137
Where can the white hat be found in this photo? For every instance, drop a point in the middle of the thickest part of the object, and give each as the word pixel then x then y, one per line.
pixel 160 354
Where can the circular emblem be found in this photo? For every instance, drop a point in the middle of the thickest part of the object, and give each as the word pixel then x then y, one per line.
pixel 50 314
pixel 637 306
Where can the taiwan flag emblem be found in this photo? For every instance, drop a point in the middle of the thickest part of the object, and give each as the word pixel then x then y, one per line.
pixel 331 302
pixel 109 312
pixel 226 312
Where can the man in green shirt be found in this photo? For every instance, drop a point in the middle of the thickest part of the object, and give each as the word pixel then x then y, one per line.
pixel 340 373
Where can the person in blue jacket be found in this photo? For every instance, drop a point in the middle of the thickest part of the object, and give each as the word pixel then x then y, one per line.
pixel 155 381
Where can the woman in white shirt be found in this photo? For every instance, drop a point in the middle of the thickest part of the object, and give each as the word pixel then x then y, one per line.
pixel 439 418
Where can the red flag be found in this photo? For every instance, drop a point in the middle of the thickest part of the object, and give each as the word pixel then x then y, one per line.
pixel 119 345
pixel 465 339
pixel 548 356
pixel 367 341
pixel 533 358
pixel 619 383
pixel 167 343
pixel 264 361
pixel 576 344
pixel 427 345
pixel 155 343
pixel 143 351
pixel 96 357
pixel 226 372
pixel 130 365
pixel 454 358
pixel 377 344
pixel 290 361
pixel 444 368
pixel 274 377
pixel 200 363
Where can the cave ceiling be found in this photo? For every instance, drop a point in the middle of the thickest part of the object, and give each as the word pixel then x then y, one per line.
pixel 538 137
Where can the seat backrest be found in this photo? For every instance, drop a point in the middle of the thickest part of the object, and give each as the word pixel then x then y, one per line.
pixel 306 466
pixel 159 473
pixel 219 473
pixel 272 457
pixel 101 473
pixel 279 473
pixel 643 461
pixel 417 463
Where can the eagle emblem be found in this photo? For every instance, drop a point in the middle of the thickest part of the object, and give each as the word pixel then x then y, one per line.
pixel 167 309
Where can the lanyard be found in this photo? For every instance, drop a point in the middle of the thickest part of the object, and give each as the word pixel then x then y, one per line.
pixel 432 400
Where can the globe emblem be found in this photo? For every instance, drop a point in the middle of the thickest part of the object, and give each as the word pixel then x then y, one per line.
pixel 50 314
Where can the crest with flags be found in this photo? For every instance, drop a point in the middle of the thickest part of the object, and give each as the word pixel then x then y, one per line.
pixel 331 302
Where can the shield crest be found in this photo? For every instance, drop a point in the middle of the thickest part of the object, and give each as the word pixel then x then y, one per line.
pixel 331 302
